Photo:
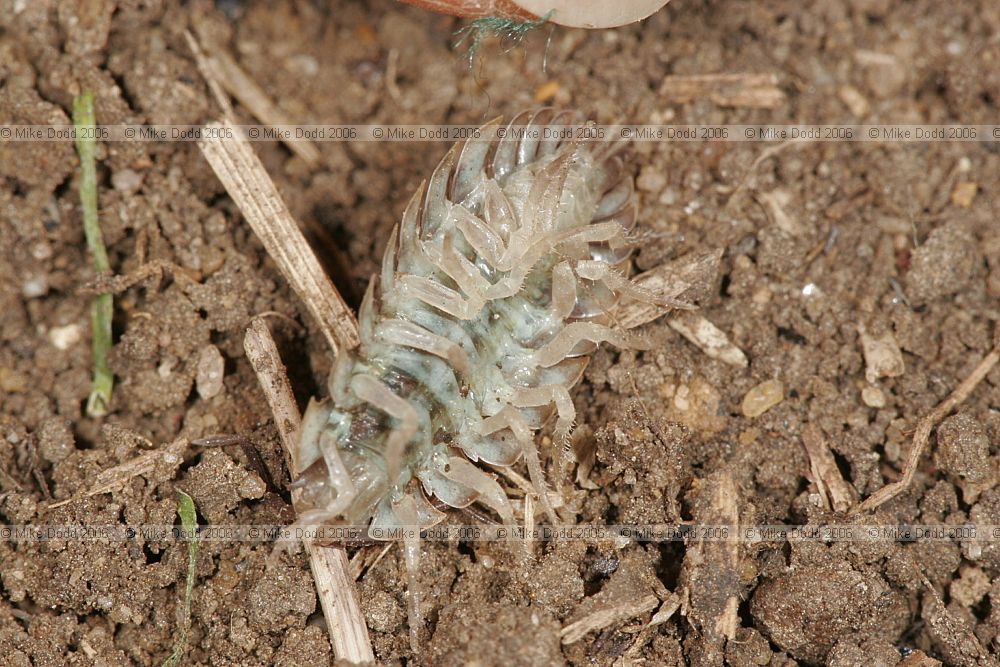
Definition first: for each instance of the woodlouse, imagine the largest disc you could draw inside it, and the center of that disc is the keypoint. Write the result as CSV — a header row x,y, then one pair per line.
x,y
494,290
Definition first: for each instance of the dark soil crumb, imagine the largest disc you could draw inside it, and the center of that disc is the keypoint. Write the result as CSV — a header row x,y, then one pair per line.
x,y
859,279
807,612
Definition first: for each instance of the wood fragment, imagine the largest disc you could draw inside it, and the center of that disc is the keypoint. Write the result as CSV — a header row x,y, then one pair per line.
x,y
666,610
710,574
923,432
708,338
765,154
368,557
775,202
883,358
247,182
114,478
755,91
836,493
219,67
686,279
606,616
330,567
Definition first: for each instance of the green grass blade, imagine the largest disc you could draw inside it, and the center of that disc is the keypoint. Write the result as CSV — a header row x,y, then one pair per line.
x,y
103,307
189,524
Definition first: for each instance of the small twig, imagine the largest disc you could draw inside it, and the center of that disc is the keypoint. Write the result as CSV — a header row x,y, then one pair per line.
x,y
689,278
247,182
189,522
330,567
835,491
102,309
602,618
747,90
219,68
144,464
768,152
710,572
923,432
112,284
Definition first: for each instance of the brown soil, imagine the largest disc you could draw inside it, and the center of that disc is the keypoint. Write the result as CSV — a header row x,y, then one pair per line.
x,y
912,252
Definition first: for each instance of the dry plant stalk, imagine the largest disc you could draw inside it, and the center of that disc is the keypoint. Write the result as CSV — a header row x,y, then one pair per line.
x,y
835,491
218,66
924,428
710,573
330,567
606,616
754,91
247,182
144,464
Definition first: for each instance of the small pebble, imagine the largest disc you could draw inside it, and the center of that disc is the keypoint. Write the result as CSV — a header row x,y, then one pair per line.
x,y
34,287
252,487
854,101
127,180
943,264
873,397
651,179
964,193
546,91
883,358
64,337
761,295
762,398
12,382
211,371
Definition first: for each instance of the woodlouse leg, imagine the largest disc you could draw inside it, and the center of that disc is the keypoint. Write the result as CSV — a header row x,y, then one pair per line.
x,y
524,252
307,520
465,274
563,291
438,296
406,513
553,394
337,475
367,388
499,212
604,273
484,240
408,334
451,492
510,418
557,395
562,343
490,493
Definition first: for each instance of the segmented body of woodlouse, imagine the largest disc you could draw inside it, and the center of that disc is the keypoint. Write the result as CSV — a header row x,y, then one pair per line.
x,y
494,290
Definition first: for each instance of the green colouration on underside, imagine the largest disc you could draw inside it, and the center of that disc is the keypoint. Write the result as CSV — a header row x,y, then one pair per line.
x,y
508,30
